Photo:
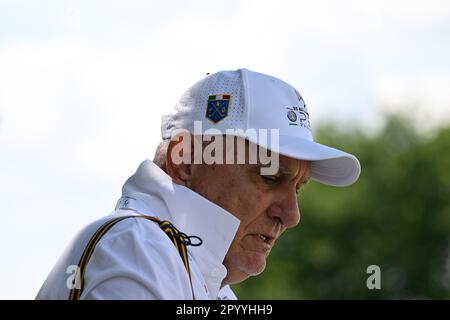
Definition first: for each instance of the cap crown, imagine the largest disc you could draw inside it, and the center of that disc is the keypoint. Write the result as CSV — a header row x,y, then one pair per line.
x,y
240,99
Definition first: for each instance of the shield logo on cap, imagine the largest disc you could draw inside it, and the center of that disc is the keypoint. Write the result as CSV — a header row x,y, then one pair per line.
x,y
217,107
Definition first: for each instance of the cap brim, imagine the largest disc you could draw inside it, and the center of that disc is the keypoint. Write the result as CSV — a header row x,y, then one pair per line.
x,y
328,165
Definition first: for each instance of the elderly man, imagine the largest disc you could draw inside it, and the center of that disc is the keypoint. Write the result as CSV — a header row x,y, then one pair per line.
x,y
207,211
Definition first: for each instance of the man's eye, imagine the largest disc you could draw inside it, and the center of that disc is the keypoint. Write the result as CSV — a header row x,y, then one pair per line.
x,y
269,179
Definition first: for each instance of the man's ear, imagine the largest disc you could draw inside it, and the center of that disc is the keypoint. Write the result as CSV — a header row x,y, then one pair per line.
x,y
179,158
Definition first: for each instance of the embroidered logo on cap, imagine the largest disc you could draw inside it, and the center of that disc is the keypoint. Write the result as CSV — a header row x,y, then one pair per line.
x,y
217,107
299,113
292,116
299,96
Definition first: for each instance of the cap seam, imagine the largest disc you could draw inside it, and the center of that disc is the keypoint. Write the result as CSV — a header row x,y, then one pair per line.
x,y
247,101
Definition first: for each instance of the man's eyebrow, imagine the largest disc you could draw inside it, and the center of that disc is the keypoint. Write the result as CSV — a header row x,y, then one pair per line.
x,y
286,171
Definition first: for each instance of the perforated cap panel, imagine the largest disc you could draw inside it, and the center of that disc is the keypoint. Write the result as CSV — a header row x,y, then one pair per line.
x,y
193,104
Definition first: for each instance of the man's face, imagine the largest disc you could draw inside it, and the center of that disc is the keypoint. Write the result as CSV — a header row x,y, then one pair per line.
x,y
265,205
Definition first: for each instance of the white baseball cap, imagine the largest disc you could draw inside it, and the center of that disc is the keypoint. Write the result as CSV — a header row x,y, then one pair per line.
x,y
242,100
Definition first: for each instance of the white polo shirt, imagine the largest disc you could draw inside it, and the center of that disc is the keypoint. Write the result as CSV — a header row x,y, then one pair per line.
x,y
135,259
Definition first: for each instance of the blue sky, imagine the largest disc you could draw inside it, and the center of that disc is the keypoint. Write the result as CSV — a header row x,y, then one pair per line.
x,y
83,85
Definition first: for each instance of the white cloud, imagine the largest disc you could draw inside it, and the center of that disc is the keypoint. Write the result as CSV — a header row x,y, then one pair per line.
x,y
423,97
30,85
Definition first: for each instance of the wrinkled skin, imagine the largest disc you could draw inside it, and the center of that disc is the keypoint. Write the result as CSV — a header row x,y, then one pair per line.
x,y
266,206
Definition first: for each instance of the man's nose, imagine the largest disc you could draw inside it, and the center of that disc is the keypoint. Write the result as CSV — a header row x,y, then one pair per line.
x,y
286,210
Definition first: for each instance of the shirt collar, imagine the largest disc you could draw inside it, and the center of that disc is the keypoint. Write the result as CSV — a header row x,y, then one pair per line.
x,y
151,191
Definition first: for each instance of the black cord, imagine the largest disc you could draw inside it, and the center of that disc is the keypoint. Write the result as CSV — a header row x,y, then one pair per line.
x,y
188,239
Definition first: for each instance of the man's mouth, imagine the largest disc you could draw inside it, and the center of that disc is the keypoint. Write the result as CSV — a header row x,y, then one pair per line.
x,y
266,238
263,237
258,242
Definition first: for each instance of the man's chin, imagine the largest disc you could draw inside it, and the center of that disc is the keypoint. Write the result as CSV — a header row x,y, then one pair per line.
x,y
256,264
239,268
244,272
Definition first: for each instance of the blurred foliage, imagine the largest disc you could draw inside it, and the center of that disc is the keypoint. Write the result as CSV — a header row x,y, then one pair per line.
x,y
397,216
